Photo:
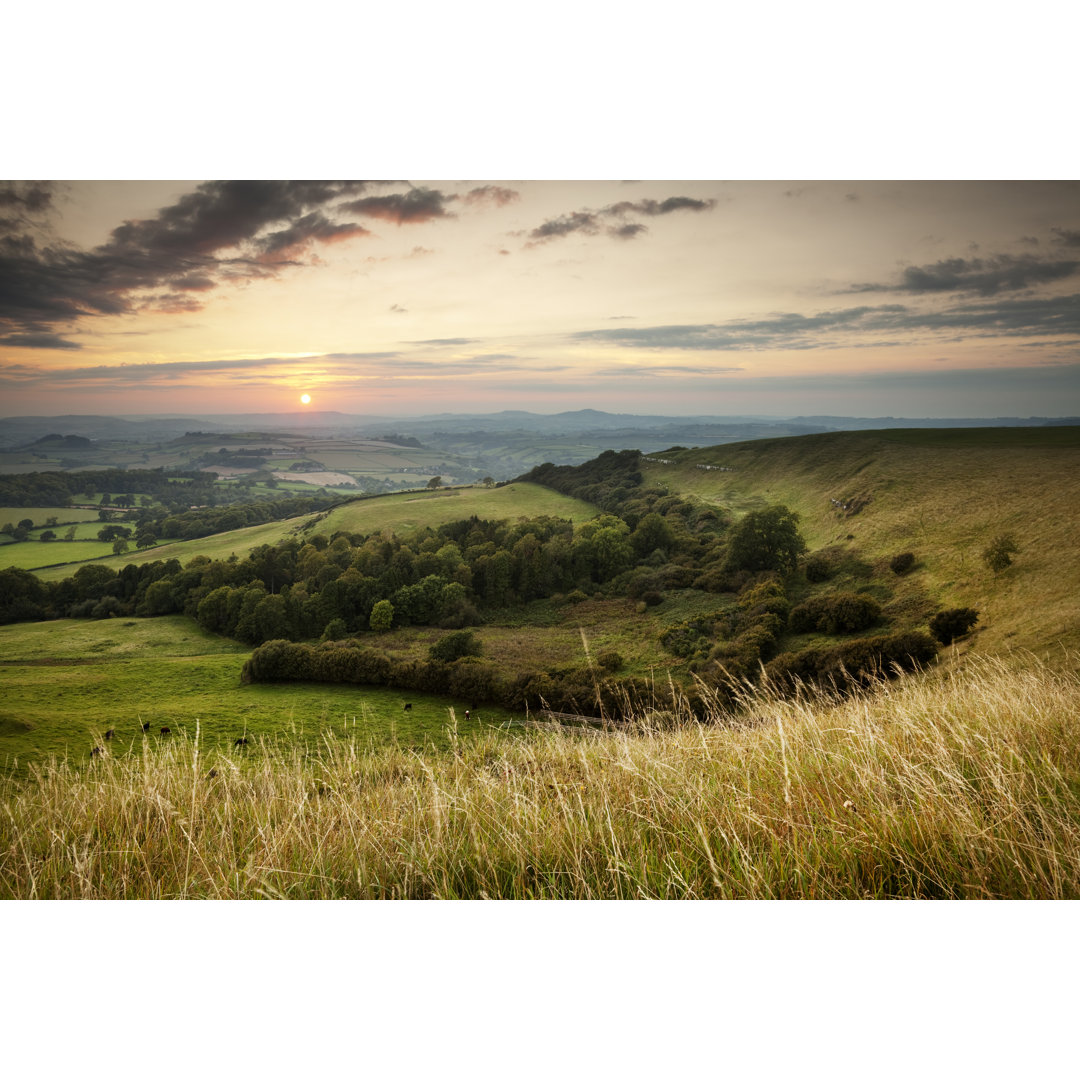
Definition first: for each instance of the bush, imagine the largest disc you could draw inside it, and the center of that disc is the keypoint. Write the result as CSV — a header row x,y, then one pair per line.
x,y
817,569
652,598
952,623
451,647
835,613
902,563
382,616
610,661
999,552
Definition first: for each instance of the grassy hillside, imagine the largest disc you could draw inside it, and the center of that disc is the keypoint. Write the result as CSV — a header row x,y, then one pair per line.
x,y
400,512
953,785
941,494
67,682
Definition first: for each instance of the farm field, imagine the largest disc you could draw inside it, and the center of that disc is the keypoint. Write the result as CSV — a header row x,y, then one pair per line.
x,y
402,511
66,682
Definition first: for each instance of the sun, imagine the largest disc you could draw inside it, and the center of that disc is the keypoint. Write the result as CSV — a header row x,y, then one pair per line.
x,y
305,399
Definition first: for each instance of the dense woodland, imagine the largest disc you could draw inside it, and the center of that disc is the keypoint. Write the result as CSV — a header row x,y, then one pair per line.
x,y
316,607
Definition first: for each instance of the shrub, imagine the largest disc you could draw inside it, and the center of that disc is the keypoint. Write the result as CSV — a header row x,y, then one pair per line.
x,y
610,661
835,613
999,552
817,569
334,630
952,623
453,646
902,563
652,598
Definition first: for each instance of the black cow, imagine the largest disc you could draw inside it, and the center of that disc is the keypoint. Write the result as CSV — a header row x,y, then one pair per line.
x,y
146,726
166,731
110,733
408,706
243,741
97,751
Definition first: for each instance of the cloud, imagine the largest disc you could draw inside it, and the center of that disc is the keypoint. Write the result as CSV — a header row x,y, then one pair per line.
x,y
446,341
416,205
652,208
492,195
223,231
38,341
628,231
987,277
578,221
299,236
28,197
1069,237
1035,317
590,222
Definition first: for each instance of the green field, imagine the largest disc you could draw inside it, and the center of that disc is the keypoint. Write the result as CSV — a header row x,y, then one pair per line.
x,y
400,512
66,682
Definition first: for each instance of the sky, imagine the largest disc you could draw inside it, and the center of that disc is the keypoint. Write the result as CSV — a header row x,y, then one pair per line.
x,y
871,298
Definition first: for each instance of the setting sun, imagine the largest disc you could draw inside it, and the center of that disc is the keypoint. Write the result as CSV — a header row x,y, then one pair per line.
x,y
305,399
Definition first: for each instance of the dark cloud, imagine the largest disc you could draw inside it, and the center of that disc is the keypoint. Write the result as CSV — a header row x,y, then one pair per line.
x,y
38,341
628,231
579,221
26,196
589,222
987,277
416,205
492,194
222,231
1069,237
1036,317
305,231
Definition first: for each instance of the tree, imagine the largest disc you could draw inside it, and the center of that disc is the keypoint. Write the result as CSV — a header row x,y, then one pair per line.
x,y
48,534
26,523
999,552
382,616
144,539
70,534
488,481
119,546
766,540
434,482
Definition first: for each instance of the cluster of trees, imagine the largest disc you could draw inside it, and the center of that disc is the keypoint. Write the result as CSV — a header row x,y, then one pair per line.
x,y
575,689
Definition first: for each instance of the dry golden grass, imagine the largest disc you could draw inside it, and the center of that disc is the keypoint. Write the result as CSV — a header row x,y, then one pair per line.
x,y
962,784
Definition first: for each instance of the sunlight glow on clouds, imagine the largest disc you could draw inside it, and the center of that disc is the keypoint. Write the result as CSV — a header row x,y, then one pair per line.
x,y
439,296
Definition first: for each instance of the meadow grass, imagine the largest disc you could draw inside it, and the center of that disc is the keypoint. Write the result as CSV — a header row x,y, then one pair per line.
x,y
955,783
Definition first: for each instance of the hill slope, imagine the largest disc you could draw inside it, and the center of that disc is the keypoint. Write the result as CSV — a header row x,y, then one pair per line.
x,y
942,494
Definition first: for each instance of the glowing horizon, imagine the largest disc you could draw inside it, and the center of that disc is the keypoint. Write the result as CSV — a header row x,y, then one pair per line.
x,y
677,298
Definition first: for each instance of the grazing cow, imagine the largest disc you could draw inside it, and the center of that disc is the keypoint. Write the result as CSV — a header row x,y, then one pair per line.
x,y
97,751
211,774
166,731
408,706
243,741
146,726
468,714
110,733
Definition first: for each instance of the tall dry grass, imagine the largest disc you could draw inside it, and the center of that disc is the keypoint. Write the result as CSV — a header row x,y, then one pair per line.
x,y
962,784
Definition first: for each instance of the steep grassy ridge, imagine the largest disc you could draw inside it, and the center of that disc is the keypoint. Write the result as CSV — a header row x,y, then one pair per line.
x,y
942,494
